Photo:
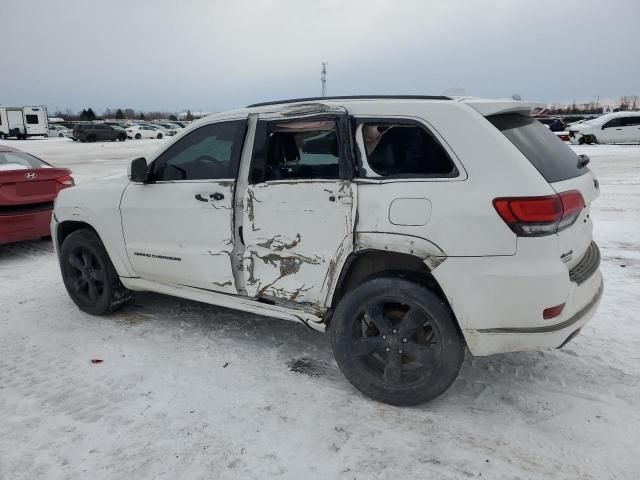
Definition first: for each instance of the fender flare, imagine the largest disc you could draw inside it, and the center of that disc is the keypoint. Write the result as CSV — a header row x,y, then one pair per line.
x,y
122,265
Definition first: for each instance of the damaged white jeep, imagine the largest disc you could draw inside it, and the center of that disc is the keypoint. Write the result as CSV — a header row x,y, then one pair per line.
x,y
410,227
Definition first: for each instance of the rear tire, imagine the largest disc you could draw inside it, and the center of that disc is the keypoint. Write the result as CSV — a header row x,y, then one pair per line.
x,y
396,341
89,276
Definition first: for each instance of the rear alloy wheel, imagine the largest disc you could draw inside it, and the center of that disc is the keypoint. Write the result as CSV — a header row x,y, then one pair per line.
x,y
396,341
88,274
138,136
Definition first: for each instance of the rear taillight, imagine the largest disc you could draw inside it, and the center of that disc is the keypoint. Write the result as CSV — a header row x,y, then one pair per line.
x,y
538,216
67,181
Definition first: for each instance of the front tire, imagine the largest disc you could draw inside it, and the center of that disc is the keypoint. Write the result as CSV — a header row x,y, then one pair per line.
x,y
159,136
122,137
138,136
396,341
89,276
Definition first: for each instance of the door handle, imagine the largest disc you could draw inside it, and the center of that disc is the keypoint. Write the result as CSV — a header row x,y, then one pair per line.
x,y
214,196
341,198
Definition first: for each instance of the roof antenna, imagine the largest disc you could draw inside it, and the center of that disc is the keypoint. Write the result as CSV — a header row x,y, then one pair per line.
x,y
324,78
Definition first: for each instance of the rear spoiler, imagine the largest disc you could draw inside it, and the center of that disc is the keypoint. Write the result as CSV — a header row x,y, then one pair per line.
x,y
488,107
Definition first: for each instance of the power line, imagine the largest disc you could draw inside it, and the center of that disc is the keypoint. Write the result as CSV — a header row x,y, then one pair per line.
x,y
323,78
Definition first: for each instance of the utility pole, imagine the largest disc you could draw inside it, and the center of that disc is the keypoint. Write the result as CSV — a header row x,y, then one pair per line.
x,y
324,78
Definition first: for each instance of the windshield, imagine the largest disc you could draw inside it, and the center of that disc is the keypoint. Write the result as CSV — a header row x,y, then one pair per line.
x,y
551,157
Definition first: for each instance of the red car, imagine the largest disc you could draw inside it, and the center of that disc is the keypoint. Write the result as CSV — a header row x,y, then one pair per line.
x,y
28,186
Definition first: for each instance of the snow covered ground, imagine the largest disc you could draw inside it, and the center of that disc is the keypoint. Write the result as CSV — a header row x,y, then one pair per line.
x,y
187,390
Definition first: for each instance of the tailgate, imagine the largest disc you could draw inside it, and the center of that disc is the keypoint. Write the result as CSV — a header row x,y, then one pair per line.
x,y
575,240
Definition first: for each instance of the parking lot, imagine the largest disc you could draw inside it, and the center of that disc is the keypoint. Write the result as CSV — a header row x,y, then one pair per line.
x,y
179,389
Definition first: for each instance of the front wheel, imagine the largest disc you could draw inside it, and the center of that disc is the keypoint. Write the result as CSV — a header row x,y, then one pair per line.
x,y
138,136
159,136
89,276
396,341
122,137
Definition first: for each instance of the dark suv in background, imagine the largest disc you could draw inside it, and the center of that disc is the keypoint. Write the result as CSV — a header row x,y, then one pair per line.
x,y
92,132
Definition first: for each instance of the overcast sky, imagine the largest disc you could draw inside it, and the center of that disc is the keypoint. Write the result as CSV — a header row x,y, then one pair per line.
x,y
215,55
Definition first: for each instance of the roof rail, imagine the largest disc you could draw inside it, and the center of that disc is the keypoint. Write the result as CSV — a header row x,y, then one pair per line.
x,y
351,97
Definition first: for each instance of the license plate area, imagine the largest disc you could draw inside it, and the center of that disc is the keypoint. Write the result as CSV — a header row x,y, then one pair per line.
x,y
44,187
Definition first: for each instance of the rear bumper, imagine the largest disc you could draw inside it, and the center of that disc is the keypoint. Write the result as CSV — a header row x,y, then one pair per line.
x,y
27,226
490,341
499,301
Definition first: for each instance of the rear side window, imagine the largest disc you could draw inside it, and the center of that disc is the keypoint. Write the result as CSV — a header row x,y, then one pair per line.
x,y
551,157
299,149
405,149
32,119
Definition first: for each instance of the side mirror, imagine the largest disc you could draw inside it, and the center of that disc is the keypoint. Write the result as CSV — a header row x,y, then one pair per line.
x,y
138,170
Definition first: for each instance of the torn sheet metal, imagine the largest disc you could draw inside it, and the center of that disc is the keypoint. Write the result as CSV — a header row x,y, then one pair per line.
x,y
295,234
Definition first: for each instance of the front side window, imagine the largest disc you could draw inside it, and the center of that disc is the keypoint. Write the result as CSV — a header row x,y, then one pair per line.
x,y
616,122
32,119
300,149
210,152
405,149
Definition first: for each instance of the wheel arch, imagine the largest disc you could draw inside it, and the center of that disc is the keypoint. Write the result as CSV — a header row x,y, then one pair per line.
x,y
67,227
366,264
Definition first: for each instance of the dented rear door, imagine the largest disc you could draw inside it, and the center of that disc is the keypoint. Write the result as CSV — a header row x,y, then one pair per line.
x,y
298,230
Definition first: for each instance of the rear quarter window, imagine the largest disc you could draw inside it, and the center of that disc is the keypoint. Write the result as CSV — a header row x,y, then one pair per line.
x,y
552,158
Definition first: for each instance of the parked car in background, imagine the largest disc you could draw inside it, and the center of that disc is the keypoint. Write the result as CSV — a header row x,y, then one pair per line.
x,y
98,132
59,131
410,228
166,130
143,131
28,186
618,127
552,123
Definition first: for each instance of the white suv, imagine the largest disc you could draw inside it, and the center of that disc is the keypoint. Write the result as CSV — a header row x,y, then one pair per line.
x,y
410,227
619,127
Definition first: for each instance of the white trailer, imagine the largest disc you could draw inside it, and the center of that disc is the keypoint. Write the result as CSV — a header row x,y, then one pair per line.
x,y
23,122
